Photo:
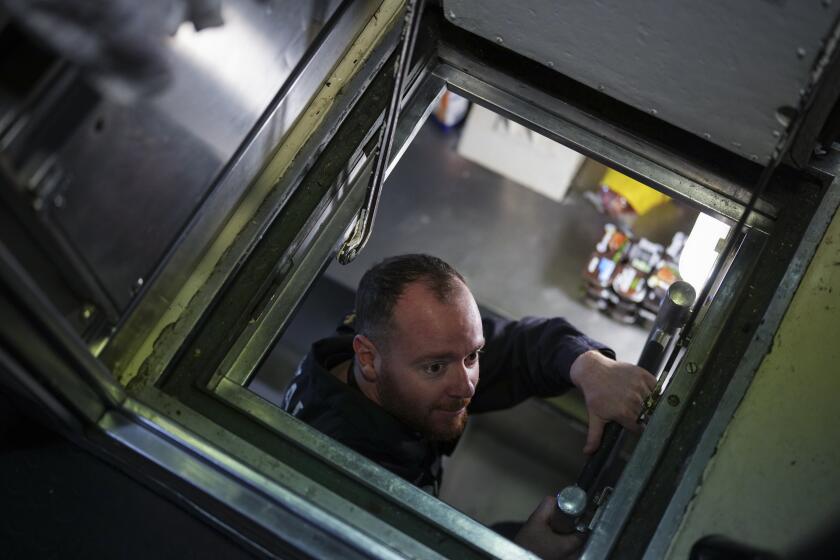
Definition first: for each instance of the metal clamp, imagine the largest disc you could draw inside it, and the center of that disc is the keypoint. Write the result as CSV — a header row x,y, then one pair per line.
x,y
363,226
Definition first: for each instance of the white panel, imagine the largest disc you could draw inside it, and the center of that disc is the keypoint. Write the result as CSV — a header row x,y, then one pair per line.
x,y
515,152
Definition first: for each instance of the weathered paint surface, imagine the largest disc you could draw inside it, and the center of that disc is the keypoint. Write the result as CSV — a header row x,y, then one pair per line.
x,y
775,476
718,69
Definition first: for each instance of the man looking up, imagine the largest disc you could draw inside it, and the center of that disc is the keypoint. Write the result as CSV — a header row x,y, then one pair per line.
x,y
397,381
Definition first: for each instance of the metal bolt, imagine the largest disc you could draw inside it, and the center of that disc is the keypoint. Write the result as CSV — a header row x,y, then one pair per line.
x,y
673,400
137,286
691,367
87,311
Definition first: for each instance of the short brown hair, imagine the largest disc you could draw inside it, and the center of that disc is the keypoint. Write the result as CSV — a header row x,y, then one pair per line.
x,y
384,283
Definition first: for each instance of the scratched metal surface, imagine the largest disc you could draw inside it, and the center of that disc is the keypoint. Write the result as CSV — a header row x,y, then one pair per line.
x,y
721,70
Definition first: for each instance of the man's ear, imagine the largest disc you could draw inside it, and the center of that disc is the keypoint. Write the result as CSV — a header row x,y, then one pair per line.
x,y
367,357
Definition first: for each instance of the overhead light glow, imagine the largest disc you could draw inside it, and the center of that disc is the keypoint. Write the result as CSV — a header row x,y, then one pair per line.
x,y
701,250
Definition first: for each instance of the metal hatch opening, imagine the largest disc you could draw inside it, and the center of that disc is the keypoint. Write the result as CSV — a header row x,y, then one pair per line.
x,y
523,253
171,363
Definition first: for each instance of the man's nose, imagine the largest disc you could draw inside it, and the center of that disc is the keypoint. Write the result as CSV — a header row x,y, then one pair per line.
x,y
463,384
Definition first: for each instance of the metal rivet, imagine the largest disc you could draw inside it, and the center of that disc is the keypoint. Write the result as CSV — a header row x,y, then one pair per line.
x,y
691,367
137,286
673,400
800,52
499,40
87,311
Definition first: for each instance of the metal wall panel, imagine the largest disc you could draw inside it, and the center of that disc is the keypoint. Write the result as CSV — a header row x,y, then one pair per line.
x,y
138,172
721,70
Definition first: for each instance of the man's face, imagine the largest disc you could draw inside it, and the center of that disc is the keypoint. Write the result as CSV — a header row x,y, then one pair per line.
x,y
427,371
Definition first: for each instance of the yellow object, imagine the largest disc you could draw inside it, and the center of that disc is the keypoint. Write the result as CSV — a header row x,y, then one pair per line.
x,y
641,197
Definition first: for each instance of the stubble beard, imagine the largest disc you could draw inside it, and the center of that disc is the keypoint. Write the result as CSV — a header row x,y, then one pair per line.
x,y
406,410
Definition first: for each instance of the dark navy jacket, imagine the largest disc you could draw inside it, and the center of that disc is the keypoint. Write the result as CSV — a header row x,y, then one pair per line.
x,y
521,359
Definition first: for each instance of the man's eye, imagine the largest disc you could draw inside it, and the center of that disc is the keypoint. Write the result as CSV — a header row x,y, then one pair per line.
x,y
472,358
433,369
